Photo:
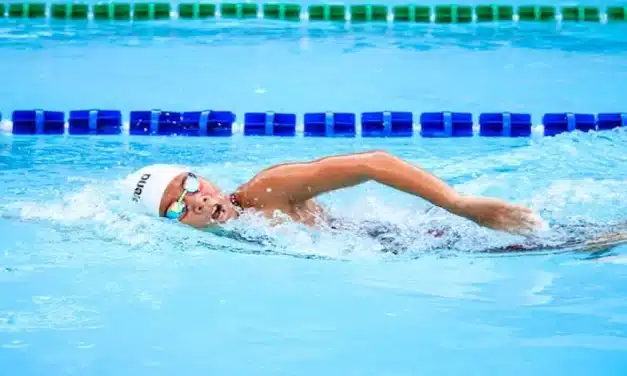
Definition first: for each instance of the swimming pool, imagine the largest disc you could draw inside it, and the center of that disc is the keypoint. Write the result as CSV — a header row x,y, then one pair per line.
x,y
87,288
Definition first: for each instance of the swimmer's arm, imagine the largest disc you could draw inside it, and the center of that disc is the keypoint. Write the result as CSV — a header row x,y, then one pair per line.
x,y
299,182
302,181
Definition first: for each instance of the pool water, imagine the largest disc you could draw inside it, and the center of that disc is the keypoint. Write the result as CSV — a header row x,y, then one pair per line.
x,y
88,288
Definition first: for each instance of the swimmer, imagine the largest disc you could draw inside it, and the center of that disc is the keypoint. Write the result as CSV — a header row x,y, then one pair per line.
x,y
180,195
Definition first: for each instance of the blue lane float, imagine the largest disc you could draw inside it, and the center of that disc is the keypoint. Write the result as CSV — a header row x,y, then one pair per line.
x,y
446,124
504,125
155,122
95,122
211,123
329,124
567,122
387,124
269,124
610,121
38,122
208,123
193,123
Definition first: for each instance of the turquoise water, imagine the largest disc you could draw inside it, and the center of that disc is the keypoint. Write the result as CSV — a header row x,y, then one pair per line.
x,y
88,288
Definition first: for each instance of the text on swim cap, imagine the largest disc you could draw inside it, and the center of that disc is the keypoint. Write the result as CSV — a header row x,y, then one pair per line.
x,y
140,187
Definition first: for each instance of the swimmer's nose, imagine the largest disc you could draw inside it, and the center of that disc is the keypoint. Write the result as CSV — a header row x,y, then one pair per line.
x,y
200,204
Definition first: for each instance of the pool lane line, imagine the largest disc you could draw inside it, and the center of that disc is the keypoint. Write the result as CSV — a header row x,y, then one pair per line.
x,y
441,14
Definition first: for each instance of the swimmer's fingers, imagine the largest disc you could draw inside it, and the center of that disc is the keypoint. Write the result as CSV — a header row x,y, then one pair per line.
x,y
501,215
528,222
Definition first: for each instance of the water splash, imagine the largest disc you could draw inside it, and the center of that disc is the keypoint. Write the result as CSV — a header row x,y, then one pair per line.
x,y
575,181
370,228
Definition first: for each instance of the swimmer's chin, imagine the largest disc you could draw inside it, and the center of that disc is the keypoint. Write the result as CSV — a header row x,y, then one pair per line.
x,y
210,223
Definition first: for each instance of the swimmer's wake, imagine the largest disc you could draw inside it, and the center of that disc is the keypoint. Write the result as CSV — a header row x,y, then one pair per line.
x,y
347,240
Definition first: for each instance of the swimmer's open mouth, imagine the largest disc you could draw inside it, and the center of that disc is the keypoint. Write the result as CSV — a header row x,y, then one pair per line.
x,y
217,211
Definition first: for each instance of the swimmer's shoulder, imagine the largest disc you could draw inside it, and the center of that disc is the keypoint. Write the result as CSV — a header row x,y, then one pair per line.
x,y
267,187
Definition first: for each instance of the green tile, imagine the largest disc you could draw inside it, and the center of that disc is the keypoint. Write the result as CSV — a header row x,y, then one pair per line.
x,y
101,11
206,10
238,10
112,11
379,13
229,10
59,11
422,14
162,11
142,11
196,10
526,13
590,14
36,10
272,11
536,13
69,11
291,12
547,13
403,13
151,11
121,11
361,13
327,12
30,10
79,11
317,12
494,13
617,13
249,10
505,13
188,10
485,12
16,10
570,14
453,14
444,13
464,14
337,13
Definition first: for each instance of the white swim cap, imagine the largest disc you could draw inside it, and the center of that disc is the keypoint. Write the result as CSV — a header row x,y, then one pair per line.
x,y
146,186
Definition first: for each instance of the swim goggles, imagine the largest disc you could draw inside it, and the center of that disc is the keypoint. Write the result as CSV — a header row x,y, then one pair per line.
x,y
178,209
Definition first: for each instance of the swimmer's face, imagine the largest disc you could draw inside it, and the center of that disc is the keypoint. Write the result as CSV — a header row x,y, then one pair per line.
x,y
205,208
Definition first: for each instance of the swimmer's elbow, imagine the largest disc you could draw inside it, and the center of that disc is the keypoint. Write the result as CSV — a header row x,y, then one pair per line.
x,y
375,161
380,155
349,170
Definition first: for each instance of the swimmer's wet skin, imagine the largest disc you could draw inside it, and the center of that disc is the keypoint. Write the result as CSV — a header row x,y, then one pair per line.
x,y
177,193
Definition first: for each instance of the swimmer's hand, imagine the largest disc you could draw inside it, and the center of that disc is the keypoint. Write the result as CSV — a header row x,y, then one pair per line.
x,y
499,215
